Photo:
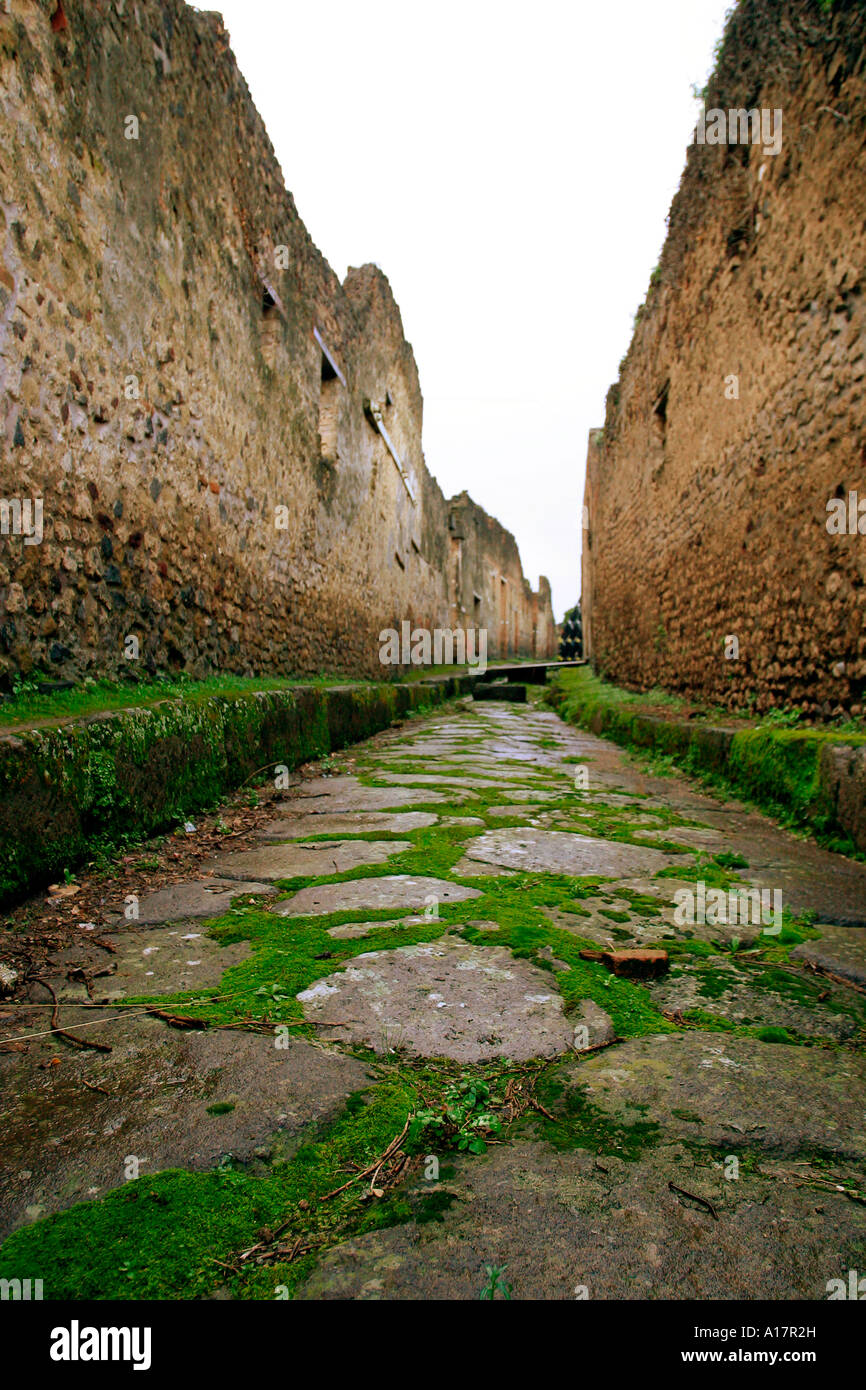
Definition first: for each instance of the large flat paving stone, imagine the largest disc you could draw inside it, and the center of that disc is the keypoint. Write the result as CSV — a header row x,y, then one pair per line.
x,y
445,998
432,779
841,950
717,1089
572,1224
288,860
724,989
392,892
555,851
358,797
288,827
204,897
69,1128
351,930
157,960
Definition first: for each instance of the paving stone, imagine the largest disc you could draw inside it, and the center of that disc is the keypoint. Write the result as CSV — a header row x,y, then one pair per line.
x,y
156,1087
775,1096
573,1224
363,798
289,860
432,779
350,823
473,868
443,999
158,960
841,950
592,1026
204,897
555,851
395,891
721,987
351,930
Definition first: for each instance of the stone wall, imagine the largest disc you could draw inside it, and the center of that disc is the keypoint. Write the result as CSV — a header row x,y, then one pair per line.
x,y
225,439
488,588
740,410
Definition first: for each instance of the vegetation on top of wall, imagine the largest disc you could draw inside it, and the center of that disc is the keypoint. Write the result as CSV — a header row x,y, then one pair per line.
x,y
776,766
71,791
33,700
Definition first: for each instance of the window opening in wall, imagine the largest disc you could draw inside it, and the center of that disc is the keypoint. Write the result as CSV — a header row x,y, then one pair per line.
x,y
660,413
269,330
331,386
329,402
660,429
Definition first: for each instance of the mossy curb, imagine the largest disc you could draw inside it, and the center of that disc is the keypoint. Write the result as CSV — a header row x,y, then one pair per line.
x,y
69,790
813,778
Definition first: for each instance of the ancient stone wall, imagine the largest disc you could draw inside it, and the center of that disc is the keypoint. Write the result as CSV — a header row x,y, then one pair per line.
x,y
489,590
225,440
740,410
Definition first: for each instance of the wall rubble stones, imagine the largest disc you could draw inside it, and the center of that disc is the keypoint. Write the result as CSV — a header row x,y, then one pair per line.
x,y
705,516
164,391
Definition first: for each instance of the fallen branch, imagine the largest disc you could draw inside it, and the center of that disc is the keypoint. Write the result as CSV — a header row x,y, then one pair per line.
x,y
693,1197
599,1047
61,1032
376,1165
178,1020
536,1105
91,1087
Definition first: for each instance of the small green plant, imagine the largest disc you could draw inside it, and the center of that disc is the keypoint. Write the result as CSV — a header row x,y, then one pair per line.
x,y
783,718
464,1122
727,860
495,1283
274,995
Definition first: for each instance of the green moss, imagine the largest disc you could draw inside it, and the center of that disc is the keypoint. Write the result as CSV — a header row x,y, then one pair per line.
x,y
579,1124
773,1035
28,703
776,767
164,1236
78,790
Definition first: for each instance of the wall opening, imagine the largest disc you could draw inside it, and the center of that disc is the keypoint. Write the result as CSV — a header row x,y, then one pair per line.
x,y
660,429
329,411
269,328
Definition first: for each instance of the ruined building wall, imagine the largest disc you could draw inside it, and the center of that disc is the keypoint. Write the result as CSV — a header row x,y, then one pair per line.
x,y
488,587
740,410
212,420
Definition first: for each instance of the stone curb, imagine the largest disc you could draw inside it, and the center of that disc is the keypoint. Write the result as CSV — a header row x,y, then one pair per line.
x,y
67,788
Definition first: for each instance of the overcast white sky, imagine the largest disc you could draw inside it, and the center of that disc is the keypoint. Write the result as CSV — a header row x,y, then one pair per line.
x,y
510,167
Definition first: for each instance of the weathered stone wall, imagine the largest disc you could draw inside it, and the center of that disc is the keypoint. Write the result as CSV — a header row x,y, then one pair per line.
x,y
488,588
739,411
215,485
